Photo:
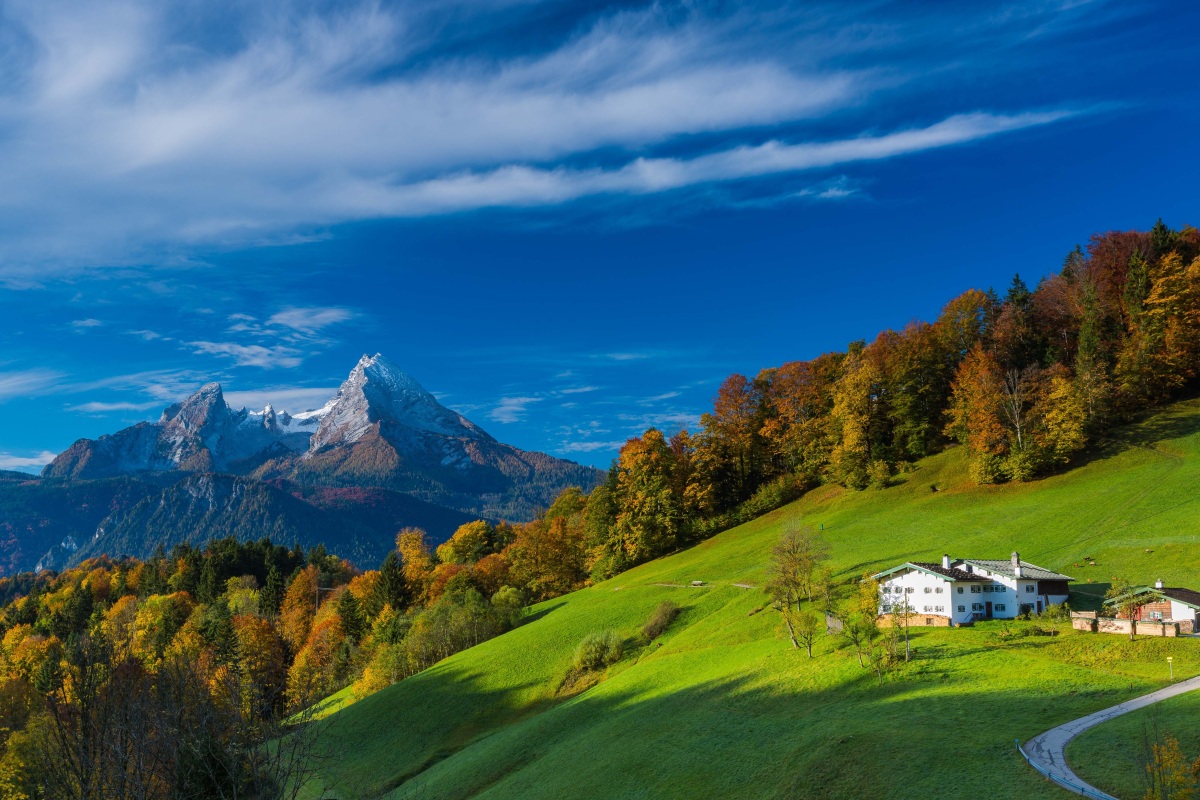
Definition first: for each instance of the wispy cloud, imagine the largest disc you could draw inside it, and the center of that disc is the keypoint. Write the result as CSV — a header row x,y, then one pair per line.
x,y
252,355
84,324
140,136
511,409
589,447
579,390
98,407
28,382
310,320
25,463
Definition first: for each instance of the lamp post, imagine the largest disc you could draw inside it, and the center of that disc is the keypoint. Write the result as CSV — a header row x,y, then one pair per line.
x,y
1171,666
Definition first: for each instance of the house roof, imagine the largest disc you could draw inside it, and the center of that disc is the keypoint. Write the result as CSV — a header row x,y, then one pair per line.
x,y
1005,568
951,574
1188,597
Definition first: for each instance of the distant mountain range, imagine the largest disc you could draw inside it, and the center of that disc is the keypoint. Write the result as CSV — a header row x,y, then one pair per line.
x,y
381,454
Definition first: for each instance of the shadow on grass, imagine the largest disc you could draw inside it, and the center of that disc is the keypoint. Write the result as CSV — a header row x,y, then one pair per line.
x,y
811,732
539,614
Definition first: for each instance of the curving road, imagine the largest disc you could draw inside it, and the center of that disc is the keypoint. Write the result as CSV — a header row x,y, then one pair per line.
x,y
1046,750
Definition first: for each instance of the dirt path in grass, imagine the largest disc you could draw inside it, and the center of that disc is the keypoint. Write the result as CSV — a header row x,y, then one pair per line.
x,y
1047,751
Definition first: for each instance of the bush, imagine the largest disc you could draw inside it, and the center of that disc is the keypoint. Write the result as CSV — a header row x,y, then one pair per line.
x,y
988,468
598,650
660,620
880,474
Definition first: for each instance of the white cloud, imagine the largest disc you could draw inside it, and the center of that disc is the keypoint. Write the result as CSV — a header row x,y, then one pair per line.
x,y
98,407
138,134
252,355
26,463
579,390
28,382
291,399
511,409
86,323
310,320
589,447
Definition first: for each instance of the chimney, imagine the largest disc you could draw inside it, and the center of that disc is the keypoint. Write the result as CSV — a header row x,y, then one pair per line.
x,y
1016,562
1158,584
946,561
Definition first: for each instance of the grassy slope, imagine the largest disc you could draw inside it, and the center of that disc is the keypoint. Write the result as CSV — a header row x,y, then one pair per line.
x,y
722,705
1112,756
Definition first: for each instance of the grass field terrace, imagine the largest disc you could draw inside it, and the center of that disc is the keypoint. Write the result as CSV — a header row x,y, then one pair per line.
x,y
721,704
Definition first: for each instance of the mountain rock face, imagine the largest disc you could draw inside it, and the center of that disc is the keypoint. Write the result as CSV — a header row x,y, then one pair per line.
x,y
201,434
381,454
383,429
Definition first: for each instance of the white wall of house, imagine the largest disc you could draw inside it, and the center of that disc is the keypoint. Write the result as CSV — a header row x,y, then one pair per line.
x,y
926,594
961,601
1017,592
1180,612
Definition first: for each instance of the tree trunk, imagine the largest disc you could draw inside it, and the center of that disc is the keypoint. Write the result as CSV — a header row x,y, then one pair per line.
x,y
787,620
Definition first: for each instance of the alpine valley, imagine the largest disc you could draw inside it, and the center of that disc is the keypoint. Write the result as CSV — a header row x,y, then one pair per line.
x,y
380,455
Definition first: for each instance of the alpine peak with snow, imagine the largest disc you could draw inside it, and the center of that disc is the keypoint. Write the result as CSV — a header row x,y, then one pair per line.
x,y
377,390
382,450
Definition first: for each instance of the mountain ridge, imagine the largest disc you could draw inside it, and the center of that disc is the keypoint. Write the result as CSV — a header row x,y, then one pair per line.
x,y
381,454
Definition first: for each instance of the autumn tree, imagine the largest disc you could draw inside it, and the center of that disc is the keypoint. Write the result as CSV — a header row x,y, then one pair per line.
x,y
650,518
299,607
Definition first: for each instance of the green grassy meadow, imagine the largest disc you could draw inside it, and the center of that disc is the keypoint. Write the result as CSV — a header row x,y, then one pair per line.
x,y
722,705
1112,756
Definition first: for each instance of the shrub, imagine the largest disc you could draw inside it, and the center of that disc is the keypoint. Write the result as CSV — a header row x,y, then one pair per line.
x,y
660,620
987,468
598,650
880,474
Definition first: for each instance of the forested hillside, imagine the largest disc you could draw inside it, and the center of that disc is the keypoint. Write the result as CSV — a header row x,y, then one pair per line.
x,y
1024,381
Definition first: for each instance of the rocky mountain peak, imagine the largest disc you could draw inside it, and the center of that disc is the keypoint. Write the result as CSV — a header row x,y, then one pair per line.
x,y
379,391
203,410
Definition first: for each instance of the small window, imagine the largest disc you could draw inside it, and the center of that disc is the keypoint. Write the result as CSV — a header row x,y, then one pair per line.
x,y
962,608
928,590
938,590
975,589
960,590
977,606
928,609
909,589
940,609
999,606
1002,588
1029,588
1155,615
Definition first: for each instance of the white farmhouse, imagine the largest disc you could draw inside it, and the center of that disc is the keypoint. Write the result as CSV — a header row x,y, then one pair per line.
x,y
958,592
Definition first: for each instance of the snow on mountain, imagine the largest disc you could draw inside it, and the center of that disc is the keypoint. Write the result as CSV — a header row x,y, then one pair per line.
x,y
377,391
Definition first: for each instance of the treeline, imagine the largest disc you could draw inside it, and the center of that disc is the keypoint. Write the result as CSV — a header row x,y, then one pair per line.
x,y
1023,381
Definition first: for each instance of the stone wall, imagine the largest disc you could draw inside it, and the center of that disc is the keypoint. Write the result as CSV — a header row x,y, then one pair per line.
x,y
918,620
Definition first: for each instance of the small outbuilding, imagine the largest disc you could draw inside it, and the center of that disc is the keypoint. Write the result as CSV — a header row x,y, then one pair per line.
x,y
1159,603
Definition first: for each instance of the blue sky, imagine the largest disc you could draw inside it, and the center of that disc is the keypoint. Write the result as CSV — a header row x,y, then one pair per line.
x,y
569,221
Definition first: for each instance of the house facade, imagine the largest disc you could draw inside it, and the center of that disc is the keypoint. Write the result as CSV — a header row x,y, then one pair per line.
x,y
1164,604
962,591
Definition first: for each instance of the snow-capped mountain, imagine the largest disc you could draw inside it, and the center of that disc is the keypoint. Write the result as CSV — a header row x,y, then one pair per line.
x,y
201,434
381,429
378,391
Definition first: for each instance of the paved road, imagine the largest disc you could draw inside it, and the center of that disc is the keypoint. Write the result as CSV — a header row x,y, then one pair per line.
x,y
1046,750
